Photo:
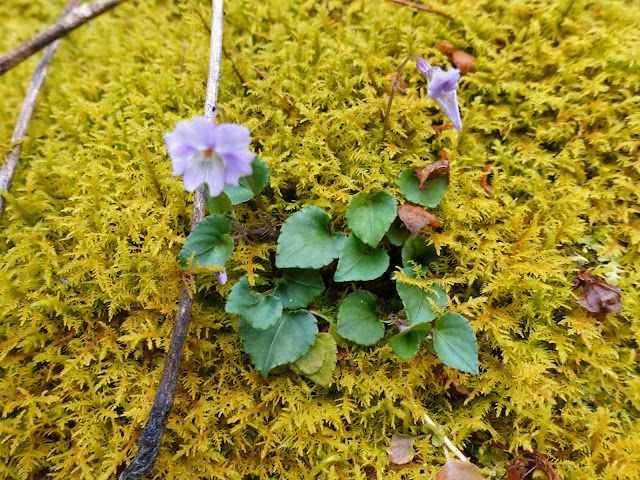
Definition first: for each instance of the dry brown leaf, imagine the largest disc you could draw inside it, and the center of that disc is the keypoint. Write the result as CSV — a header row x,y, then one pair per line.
x,y
598,296
456,469
531,462
432,170
440,128
485,182
461,59
401,449
342,352
416,217
459,389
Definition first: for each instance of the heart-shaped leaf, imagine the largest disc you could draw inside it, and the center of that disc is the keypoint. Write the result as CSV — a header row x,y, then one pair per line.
x,y
259,177
370,215
417,250
422,306
299,288
455,342
356,263
305,242
284,342
407,343
209,243
319,362
434,189
357,320
259,310
401,449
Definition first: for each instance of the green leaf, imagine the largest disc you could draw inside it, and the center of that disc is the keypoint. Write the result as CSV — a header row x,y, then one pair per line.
x,y
397,233
422,306
455,342
259,177
299,288
305,242
259,310
407,343
219,205
209,243
437,434
354,264
429,197
418,250
357,320
284,342
371,215
319,362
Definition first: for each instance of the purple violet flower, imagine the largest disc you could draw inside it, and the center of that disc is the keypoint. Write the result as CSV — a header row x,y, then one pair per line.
x,y
204,152
222,276
441,87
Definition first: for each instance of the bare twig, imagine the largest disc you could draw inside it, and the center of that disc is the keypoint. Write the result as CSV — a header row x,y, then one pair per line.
x,y
422,7
20,130
259,72
447,442
153,431
74,19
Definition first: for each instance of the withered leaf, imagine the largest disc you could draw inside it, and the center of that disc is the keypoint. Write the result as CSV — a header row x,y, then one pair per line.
x,y
531,462
401,449
485,182
342,352
461,59
440,128
416,217
432,170
598,296
456,469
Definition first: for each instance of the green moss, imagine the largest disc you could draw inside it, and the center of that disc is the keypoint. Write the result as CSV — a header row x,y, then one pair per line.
x,y
90,283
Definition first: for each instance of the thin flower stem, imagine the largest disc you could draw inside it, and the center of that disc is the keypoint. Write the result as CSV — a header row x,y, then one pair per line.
x,y
78,16
273,230
393,92
28,105
255,231
151,436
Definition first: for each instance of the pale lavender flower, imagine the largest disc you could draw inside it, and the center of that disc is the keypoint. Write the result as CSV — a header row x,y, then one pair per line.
x,y
441,87
222,276
204,152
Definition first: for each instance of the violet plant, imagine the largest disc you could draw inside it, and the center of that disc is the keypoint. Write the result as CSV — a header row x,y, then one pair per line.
x,y
441,86
279,325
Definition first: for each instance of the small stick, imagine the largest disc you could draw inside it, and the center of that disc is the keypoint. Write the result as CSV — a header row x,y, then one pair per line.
x,y
28,105
423,8
74,19
255,69
447,442
151,437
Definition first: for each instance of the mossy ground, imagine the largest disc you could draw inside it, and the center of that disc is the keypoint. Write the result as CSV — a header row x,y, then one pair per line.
x,y
90,284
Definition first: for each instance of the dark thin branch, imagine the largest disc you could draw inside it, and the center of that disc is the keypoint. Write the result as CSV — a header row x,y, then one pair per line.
x,y
29,103
74,19
423,8
151,436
